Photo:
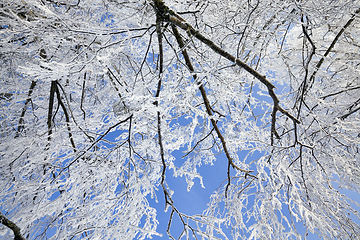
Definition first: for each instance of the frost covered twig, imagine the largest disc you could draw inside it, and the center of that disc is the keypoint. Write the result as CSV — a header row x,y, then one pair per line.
x,y
92,145
193,148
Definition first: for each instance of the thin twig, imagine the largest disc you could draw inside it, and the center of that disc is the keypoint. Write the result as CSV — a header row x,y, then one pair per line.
x,y
193,148
92,145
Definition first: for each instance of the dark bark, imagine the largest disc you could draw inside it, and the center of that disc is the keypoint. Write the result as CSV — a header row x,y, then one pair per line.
x,y
8,223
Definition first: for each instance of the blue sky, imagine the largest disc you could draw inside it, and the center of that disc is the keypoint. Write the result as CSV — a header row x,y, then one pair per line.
x,y
189,202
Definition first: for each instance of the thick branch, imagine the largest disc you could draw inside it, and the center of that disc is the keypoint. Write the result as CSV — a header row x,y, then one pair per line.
x,y
8,223
67,118
157,94
50,109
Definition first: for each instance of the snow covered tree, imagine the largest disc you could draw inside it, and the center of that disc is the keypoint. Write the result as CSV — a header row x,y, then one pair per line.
x,y
97,95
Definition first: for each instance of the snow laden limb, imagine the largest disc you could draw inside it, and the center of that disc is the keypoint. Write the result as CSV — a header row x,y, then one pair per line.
x,y
170,16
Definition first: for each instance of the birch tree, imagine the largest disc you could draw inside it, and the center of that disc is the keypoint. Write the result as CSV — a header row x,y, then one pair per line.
x,y
97,95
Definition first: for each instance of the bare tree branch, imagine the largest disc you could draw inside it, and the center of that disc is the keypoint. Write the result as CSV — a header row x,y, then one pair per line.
x,y
8,223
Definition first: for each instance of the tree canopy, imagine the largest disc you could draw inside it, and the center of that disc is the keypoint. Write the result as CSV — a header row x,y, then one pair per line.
x,y
96,96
